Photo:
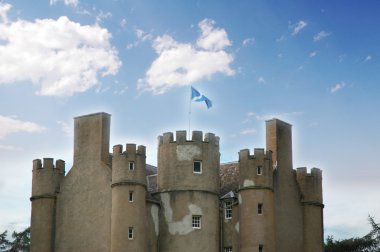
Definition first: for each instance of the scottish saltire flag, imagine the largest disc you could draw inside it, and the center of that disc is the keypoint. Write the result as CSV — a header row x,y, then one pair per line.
x,y
198,97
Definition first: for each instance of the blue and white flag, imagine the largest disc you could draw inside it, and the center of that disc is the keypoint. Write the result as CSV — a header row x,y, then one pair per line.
x,y
198,97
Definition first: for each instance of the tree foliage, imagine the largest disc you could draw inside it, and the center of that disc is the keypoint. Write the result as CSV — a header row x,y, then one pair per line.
x,y
20,242
367,243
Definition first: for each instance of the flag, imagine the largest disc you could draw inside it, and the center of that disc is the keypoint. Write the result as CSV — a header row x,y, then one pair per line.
x,y
198,97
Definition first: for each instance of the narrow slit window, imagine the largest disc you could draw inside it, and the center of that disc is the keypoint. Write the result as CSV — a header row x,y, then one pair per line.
x,y
130,233
259,170
260,208
197,167
197,221
227,249
131,166
130,196
228,209
261,248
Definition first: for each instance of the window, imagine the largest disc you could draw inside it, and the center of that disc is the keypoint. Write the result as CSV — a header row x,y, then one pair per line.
x,y
197,221
130,233
228,209
131,166
197,167
130,196
227,249
259,170
261,248
259,208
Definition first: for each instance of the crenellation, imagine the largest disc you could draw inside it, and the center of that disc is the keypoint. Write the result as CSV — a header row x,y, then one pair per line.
x,y
60,166
180,137
131,151
37,164
160,140
197,136
48,163
141,150
244,154
168,138
117,149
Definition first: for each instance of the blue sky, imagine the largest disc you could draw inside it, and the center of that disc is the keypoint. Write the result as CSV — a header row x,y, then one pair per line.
x,y
313,64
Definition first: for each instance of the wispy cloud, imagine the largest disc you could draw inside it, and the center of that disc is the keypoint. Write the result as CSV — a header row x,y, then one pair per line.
x,y
249,41
337,87
180,64
60,56
261,80
313,54
248,132
298,27
252,115
281,39
4,8
11,125
66,128
123,23
72,3
368,58
321,35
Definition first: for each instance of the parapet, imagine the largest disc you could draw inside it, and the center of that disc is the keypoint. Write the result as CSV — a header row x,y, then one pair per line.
x,y
47,176
310,185
181,138
130,150
259,153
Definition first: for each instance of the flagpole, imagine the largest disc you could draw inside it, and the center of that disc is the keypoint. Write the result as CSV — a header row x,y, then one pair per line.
x,y
190,112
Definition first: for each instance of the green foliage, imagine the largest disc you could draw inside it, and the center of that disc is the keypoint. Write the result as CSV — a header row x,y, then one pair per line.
x,y
20,242
367,243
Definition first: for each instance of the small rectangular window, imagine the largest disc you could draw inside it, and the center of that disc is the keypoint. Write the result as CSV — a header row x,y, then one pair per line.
x,y
227,249
197,221
259,170
130,233
197,167
261,248
131,166
228,209
260,208
130,196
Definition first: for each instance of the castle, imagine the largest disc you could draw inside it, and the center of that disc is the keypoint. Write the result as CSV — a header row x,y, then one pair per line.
x,y
116,202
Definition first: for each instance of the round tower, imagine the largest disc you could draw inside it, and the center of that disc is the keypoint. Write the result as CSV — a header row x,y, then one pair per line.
x,y
45,186
312,206
188,185
256,203
128,215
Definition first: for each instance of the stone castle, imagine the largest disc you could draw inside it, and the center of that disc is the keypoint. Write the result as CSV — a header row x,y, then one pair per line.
x,y
116,202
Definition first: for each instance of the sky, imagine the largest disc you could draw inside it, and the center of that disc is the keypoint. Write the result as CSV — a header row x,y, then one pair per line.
x,y
313,64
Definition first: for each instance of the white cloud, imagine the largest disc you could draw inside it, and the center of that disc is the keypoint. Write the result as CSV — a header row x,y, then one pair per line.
x,y
281,39
249,41
312,54
248,132
213,39
123,23
252,115
10,148
142,35
337,87
4,8
298,27
60,56
72,3
368,58
180,64
321,35
10,125
261,80
66,128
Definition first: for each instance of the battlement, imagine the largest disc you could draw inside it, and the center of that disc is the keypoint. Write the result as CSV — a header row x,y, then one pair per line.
x,y
259,153
47,176
181,138
310,184
48,164
130,150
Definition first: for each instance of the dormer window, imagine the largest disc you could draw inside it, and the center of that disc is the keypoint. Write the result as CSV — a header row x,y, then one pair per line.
x,y
131,166
197,167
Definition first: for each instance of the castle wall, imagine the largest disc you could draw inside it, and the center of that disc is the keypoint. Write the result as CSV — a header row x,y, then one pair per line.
x,y
288,208
152,223
83,219
230,229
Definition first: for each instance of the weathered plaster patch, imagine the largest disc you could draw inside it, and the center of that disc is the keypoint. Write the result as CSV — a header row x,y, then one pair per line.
x,y
154,213
240,199
187,152
248,182
237,227
183,226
